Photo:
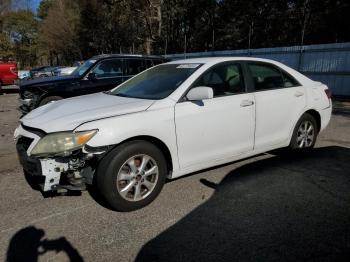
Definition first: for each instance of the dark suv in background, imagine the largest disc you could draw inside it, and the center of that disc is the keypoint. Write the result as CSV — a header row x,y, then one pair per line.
x,y
99,73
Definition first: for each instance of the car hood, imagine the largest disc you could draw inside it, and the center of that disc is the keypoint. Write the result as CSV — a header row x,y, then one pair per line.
x,y
46,81
69,113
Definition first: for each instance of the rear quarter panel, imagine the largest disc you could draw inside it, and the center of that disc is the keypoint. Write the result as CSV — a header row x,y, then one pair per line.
x,y
318,100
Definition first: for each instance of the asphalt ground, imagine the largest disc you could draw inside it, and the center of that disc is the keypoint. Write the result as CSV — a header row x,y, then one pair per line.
x,y
272,207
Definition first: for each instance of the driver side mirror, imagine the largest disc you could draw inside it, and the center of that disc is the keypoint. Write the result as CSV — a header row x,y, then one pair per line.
x,y
200,93
92,76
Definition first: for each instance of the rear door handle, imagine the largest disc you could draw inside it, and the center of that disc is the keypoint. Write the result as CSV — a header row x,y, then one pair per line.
x,y
298,93
245,103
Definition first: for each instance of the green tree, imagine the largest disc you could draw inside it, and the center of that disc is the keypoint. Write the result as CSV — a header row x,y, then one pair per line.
x,y
58,38
43,8
21,29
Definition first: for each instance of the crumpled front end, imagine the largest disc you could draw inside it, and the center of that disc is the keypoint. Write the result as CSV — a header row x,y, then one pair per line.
x,y
55,173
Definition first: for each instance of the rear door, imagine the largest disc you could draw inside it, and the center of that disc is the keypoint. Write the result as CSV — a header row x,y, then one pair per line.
x,y
108,74
280,99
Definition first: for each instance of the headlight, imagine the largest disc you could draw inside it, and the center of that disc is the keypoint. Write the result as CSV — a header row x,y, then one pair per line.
x,y
62,143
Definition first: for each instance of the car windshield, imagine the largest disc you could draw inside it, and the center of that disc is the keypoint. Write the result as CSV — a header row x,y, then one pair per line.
x,y
79,71
157,82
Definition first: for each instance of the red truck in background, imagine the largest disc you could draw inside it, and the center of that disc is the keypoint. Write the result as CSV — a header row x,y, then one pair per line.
x,y
8,73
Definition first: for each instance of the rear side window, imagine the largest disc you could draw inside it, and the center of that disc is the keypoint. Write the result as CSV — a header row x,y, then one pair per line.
x,y
289,81
135,66
266,77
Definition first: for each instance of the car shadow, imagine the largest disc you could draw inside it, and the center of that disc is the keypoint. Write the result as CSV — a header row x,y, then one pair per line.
x,y
28,244
282,208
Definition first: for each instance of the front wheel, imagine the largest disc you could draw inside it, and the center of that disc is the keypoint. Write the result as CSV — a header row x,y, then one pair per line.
x,y
132,175
305,133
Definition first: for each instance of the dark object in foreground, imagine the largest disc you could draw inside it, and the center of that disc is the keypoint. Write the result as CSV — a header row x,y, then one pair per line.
x,y
284,208
28,245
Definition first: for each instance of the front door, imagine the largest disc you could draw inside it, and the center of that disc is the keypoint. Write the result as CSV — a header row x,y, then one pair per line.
x,y
219,128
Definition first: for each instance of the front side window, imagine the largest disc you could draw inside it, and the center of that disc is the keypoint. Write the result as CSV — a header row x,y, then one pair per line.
x,y
226,79
109,68
266,77
157,82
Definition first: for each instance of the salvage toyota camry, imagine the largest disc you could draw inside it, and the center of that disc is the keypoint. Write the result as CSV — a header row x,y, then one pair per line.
x,y
168,121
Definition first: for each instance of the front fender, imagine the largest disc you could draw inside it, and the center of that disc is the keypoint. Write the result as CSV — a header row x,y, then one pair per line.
x,y
154,123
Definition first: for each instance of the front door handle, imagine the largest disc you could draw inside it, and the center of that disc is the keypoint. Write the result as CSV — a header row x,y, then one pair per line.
x,y
298,93
245,103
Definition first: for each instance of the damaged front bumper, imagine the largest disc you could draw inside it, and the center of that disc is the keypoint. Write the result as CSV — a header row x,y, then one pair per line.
x,y
59,173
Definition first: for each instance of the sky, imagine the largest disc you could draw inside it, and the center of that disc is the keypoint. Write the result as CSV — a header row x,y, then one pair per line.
x,y
25,4
35,4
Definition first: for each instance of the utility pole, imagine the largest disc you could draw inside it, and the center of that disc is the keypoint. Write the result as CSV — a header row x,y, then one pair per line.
x,y
250,35
185,46
305,17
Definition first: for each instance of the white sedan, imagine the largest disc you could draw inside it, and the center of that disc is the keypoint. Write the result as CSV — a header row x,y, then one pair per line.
x,y
168,121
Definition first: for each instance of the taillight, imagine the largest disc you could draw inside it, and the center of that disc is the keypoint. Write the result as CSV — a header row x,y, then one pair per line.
x,y
328,93
14,70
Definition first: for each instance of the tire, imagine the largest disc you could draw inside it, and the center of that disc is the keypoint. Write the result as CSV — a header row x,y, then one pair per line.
x,y
304,141
49,99
1,92
114,167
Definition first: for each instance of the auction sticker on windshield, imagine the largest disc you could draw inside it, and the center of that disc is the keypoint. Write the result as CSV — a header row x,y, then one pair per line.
x,y
188,66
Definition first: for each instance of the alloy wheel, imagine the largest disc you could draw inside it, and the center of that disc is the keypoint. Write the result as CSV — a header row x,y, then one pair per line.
x,y
305,135
137,177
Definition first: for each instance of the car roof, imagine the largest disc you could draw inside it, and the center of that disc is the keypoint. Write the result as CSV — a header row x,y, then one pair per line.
x,y
210,61
102,56
214,60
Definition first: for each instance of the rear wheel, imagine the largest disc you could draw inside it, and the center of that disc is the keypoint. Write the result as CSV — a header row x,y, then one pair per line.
x,y
305,133
132,175
49,99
